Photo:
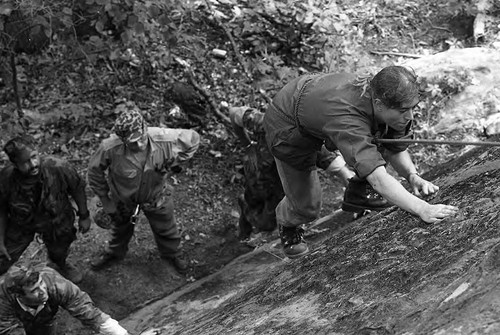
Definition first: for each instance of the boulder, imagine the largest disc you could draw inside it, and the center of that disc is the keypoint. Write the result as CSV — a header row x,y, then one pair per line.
x,y
385,273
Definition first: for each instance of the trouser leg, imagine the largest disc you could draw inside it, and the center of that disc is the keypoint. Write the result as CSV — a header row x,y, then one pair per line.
x,y
59,241
162,221
122,230
244,224
302,201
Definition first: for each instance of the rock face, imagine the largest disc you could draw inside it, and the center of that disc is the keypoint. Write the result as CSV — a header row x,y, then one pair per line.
x,y
478,70
387,273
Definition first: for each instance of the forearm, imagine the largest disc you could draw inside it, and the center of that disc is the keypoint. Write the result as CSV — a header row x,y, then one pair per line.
x,y
402,163
81,201
187,144
394,192
97,181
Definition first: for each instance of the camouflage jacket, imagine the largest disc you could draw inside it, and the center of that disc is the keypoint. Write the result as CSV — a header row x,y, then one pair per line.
x,y
62,293
26,208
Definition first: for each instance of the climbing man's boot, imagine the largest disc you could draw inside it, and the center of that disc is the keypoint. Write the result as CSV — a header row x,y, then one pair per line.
x,y
293,242
360,196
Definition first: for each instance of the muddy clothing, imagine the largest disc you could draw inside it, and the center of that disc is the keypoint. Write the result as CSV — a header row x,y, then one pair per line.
x,y
62,293
134,180
313,110
263,189
326,109
40,205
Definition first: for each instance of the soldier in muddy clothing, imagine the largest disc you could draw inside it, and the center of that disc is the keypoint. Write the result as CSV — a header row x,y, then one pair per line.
x,y
30,298
344,112
34,199
263,189
128,171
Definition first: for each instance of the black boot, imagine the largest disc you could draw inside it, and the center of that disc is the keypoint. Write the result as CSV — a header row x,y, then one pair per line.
x,y
293,242
360,196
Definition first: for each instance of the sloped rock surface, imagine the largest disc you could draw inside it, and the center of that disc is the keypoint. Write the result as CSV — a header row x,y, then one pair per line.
x,y
387,273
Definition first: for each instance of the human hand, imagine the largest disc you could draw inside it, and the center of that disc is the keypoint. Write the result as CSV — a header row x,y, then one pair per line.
x,y
421,186
84,225
3,251
437,213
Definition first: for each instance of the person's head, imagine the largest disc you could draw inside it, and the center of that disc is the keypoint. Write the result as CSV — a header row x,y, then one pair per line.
x,y
131,127
395,92
27,285
23,154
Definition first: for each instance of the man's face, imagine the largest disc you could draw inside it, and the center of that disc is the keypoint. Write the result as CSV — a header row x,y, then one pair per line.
x,y
36,294
396,118
139,145
28,162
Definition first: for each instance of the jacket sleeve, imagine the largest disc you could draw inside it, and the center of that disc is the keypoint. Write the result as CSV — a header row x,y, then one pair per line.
x,y
8,318
96,174
76,185
186,145
75,301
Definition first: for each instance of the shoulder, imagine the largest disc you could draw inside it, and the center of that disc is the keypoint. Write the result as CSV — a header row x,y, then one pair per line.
x,y
158,134
52,163
55,282
111,142
6,172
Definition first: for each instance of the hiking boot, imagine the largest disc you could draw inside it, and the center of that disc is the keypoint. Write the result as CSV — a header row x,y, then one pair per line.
x,y
359,196
68,271
293,242
179,263
104,260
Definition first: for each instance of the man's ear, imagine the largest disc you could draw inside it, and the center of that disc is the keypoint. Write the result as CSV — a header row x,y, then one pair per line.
x,y
378,104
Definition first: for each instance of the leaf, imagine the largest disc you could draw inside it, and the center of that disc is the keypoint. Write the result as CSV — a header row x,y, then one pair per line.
x,y
99,26
139,28
132,20
5,9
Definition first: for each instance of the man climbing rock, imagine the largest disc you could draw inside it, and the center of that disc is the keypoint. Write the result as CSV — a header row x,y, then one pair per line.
x,y
344,112
128,172
263,189
34,199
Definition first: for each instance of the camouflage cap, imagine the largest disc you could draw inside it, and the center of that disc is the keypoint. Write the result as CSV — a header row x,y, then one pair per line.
x,y
130,126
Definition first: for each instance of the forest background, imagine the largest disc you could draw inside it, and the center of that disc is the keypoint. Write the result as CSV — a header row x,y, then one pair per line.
x,y
68,68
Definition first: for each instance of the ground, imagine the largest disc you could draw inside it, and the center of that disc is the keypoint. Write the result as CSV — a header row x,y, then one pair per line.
x,y
207,189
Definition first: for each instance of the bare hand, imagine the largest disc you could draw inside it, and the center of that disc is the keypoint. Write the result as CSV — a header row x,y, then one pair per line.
x,y
3,251
436,213
421,186
84,225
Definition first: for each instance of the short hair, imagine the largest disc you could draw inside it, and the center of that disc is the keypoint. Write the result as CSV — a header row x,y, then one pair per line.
x,y
19,277
395,86
16,145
